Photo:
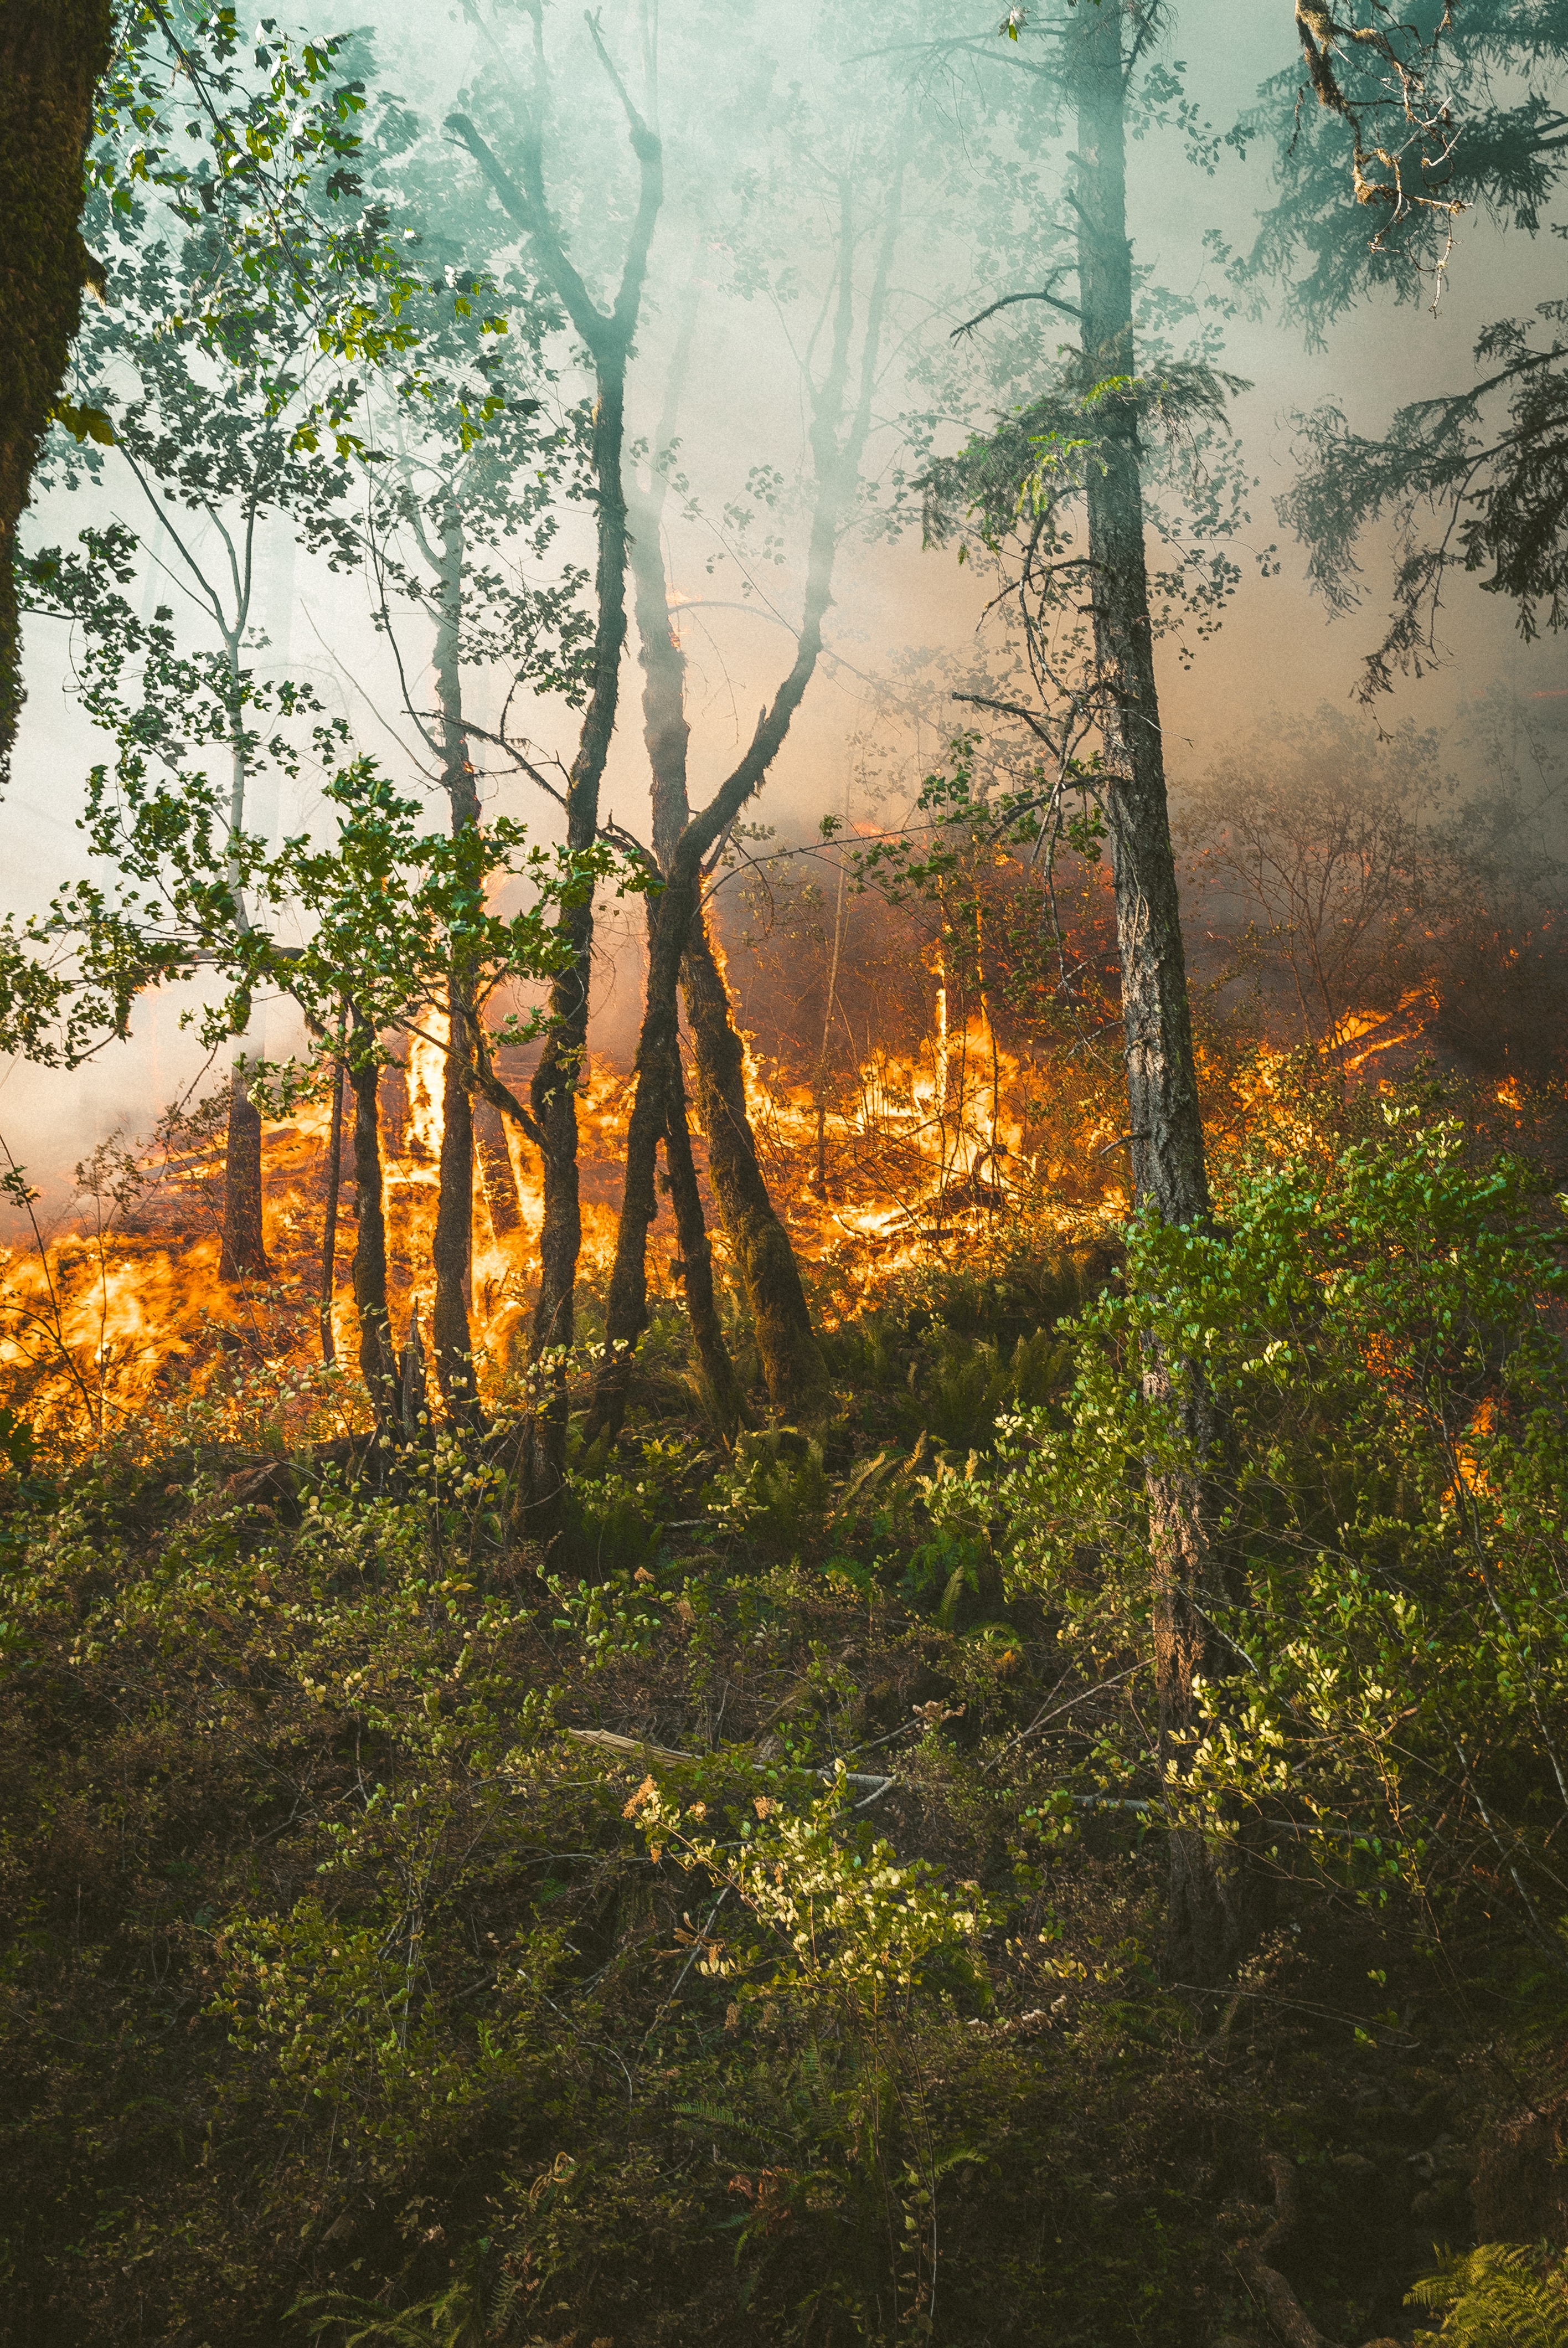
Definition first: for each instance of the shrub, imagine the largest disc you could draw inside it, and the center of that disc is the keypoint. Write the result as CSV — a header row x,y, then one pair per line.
x,y
1384,1336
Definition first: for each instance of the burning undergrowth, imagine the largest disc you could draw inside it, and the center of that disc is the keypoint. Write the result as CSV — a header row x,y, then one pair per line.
x,y
933,1082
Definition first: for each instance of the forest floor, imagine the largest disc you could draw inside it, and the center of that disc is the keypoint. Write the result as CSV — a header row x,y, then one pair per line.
x,y
736,1921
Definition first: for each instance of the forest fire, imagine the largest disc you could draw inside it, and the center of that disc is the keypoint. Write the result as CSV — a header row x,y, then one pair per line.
x,y
925,1154
982,1107
793,1567
128,1305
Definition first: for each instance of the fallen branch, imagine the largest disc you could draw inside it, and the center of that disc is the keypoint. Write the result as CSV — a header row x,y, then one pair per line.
x,y
1262,2277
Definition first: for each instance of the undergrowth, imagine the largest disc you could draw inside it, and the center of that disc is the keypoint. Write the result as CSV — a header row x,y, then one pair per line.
x,y
744,1917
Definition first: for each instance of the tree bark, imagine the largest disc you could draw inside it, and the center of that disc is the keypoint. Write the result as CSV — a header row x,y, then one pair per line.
x,y
763,1255
658,1050
51,58
497,1178
724,1395
563,1064
452,1246
1167,1138
680,953
759,1246
328,1225
376,1362
1207,1924
244,1255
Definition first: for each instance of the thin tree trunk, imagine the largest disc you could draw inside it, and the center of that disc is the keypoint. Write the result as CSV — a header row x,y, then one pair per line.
x,y
452,1247
244,1256
335,1179
667,735
51,58
1207,1925
829,1006
725,1395
376,1360
563,1064
791,1360
658,1051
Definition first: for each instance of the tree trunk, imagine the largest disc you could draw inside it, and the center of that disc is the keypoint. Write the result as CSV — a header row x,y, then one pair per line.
x,y
376,1362
764,1257
761,1248
722,1390
496,1175
51,57
329,1224
791,1360
667,735
658,1049
1168,1164
452,1249
244,1257
658,1114
1206,1925
563,1064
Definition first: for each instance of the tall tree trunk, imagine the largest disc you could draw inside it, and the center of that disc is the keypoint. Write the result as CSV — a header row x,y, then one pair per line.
x,y
244,1255
563,1064
762,1249
667,735
1207,1922
51,57
496,1175
658,1050
763,1254
329,1223
451,1247
376,1360
725,1395
792,1364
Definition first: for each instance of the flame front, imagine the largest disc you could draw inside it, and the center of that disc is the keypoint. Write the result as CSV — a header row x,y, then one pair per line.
x,y
933,1154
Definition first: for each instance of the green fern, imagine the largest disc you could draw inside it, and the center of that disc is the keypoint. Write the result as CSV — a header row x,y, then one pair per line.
x,y
1503,2295
475,2311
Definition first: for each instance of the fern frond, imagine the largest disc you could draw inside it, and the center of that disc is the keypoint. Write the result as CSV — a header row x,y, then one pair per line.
x,y
1501,2295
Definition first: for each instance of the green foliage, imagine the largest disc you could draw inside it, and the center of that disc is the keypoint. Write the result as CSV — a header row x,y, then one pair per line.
x,y
476,2307
1381,1334
414,2037
1500,2295
254,145
835,1917
775,1490
968,1382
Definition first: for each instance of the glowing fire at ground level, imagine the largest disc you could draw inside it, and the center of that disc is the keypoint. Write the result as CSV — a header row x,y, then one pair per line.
x,y
937,1156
